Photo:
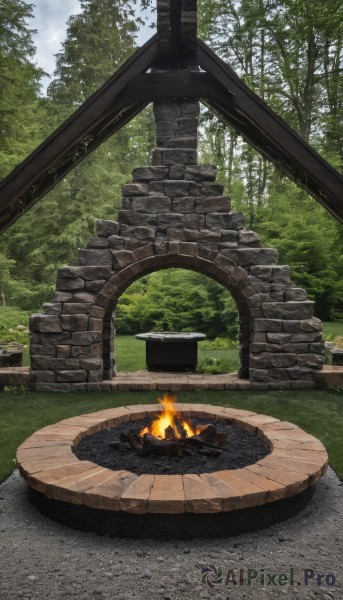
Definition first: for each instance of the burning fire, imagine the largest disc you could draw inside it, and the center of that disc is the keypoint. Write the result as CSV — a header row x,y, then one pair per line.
x,y
169,418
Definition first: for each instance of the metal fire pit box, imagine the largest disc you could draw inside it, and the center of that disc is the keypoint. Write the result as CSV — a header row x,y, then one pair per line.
x,y
171,351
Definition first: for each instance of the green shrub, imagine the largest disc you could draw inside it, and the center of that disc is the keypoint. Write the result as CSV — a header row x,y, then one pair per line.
x,y
212,366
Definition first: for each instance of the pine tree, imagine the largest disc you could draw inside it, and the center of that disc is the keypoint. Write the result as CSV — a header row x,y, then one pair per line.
x,y
98,40
20,108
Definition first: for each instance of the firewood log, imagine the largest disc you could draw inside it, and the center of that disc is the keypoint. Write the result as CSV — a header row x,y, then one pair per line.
x,y
133,438
180,428
169,433
152,445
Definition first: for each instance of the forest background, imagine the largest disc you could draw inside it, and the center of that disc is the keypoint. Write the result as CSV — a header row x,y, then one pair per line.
x,y
288,51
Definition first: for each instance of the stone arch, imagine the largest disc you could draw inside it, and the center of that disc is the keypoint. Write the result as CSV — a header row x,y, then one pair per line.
x,y
221,269
174,213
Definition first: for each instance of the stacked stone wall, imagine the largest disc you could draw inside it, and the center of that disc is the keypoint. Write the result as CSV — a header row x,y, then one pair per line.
x,y
175,214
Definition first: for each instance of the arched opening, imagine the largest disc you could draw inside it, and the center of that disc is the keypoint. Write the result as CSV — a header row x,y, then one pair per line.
x,y
177,300
231,277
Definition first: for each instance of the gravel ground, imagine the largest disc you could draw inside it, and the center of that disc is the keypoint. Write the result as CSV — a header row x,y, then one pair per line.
x,y
42,560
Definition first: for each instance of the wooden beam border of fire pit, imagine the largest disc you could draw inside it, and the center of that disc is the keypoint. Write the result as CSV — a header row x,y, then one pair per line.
x,y
297,461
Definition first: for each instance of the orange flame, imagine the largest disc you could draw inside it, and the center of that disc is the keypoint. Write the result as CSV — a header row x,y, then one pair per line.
x,y
166,419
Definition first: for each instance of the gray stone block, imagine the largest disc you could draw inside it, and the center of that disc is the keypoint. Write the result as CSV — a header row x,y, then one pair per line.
x,y
297,294
261,375
47,363
149,173
269,359
176,188
209,188
70,284
135,189
166,110
313,324
91,364
191,235
45,323
292,326
74,322
95,257
315,361
126,202
44,376
289,310
87,273
177,156
295,348
262,272
95,286
267,325
116,242
76,376
42,350
278,338
142,232
161,247
62,297
80,352
84,297
229,236
212,204
122,258
176,234
52,308
97,242
132,218
276,296
134,244
317,347
63,351
251,256
151,204
281,274
200,173
313,336
106,228
207,235
246,237
156,188
171,220
233,220
189,108
181,142
183,205
188,126
77,308
55,338
176,172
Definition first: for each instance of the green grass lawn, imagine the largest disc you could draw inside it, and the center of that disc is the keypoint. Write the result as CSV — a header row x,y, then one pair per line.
x,y
319,412
130,355
332,329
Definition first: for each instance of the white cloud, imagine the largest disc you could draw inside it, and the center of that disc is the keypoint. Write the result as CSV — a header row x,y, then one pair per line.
x,y
51,23
50,20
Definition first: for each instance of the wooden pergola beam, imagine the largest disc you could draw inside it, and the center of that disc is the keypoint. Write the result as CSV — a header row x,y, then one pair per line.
x,y
132,88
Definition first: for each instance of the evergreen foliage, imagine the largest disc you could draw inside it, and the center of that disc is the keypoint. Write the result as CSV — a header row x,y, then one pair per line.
x,y
289,52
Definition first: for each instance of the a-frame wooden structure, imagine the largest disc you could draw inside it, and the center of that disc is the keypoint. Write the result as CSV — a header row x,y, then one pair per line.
x,y
174,63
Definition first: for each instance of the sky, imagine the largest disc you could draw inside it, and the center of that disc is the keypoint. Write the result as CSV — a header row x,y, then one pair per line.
x,y
50,20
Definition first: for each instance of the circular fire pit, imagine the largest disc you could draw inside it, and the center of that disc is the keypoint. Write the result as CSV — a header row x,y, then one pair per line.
x,y
86,496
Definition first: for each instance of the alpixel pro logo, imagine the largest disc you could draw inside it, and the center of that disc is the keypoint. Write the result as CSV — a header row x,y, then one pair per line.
x,y
213,577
